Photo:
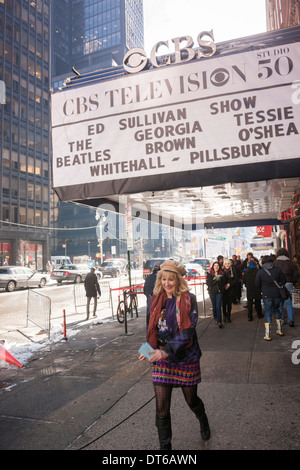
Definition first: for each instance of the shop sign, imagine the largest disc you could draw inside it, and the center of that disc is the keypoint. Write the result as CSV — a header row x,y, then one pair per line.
x,y
290,214
264,231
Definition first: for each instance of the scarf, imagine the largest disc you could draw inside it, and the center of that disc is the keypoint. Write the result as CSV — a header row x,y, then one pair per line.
x,y
183,308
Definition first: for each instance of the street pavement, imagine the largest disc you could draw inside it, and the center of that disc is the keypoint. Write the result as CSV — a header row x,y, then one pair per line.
x,y
91,392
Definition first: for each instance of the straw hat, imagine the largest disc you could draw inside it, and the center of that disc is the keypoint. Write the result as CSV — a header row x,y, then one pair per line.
x,y
174,267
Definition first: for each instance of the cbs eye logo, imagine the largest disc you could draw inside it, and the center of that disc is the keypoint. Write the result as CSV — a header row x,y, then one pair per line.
x,y
296,354
135,60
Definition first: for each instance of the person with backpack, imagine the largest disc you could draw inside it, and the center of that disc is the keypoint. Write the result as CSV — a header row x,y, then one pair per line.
x,y
268,279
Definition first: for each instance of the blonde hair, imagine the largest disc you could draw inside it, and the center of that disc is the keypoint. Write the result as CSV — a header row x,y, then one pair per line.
x,y
176,271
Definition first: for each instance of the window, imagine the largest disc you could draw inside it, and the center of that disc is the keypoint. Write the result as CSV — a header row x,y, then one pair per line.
x,y
30,219
22,215
23,189
30,191
14,187
14,160
5,185
6,159
22,162
30,165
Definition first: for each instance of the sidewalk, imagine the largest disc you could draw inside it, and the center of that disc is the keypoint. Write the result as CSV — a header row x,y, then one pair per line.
x,y
92,393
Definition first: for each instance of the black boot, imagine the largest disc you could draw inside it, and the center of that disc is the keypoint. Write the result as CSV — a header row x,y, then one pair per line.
x,y
164,432
201,416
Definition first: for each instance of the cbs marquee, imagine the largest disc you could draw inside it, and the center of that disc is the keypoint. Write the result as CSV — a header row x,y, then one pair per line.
x,y
196,118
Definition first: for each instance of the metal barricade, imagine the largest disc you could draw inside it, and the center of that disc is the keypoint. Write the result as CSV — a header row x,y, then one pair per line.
x,y
39,310
198,285
105,298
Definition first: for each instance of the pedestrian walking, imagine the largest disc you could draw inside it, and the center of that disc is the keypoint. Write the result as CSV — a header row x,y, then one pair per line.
x,y
270,293
220,260
149,285
175,357
215,281
247,260
291,275
229,295
92,289
237,263
253,292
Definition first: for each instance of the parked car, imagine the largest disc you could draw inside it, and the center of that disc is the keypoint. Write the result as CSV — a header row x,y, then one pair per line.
x,y
205,263
121,262
70,272
148,266
194,270
13,277
111,268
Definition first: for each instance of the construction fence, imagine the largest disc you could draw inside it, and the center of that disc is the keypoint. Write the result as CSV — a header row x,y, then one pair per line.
x,y
39,311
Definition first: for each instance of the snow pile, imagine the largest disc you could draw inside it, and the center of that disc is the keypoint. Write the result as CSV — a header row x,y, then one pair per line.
x,y
24,351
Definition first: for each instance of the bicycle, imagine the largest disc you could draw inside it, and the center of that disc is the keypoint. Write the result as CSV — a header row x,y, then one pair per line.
x,y
123,307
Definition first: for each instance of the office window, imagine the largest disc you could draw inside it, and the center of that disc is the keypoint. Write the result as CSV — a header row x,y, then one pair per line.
x,y
14,187
5,158
30,216
22,162
45,194
30,165
38,217
14,160
5,185
30,190
23,189
22,215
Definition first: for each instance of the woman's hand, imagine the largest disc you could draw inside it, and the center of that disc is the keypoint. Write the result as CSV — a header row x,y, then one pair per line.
x,y
158,355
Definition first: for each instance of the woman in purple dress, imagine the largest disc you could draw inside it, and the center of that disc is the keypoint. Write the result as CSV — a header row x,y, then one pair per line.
x,y
175,357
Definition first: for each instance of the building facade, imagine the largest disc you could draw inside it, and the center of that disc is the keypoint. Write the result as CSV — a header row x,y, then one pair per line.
x,y
25,74
282,13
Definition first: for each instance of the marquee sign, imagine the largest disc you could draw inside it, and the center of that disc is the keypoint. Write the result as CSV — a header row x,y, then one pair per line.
x,y
193,123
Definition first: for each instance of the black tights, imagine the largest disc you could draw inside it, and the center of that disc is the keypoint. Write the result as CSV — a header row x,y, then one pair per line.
x,y
163,395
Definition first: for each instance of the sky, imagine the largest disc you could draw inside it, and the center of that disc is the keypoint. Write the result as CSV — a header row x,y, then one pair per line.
x,y
229,19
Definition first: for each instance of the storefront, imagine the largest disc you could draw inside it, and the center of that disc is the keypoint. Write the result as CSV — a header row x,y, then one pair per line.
x,y
25,249
5,252
30,254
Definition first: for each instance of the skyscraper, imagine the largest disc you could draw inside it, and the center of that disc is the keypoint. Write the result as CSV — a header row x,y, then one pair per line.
x,y
24,132
40,42
88,35
94,34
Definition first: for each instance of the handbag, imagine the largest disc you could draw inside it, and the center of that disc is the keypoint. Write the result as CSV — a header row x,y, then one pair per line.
x,y
284,292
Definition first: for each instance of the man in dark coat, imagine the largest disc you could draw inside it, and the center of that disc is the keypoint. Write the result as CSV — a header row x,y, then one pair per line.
x,y
92,288
270,293
290,272
149,285
253,292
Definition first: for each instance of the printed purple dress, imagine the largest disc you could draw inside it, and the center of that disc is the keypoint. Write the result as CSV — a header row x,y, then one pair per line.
x,y
182,366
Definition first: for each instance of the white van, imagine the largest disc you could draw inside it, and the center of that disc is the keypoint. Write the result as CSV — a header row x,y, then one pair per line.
x,y
58,261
